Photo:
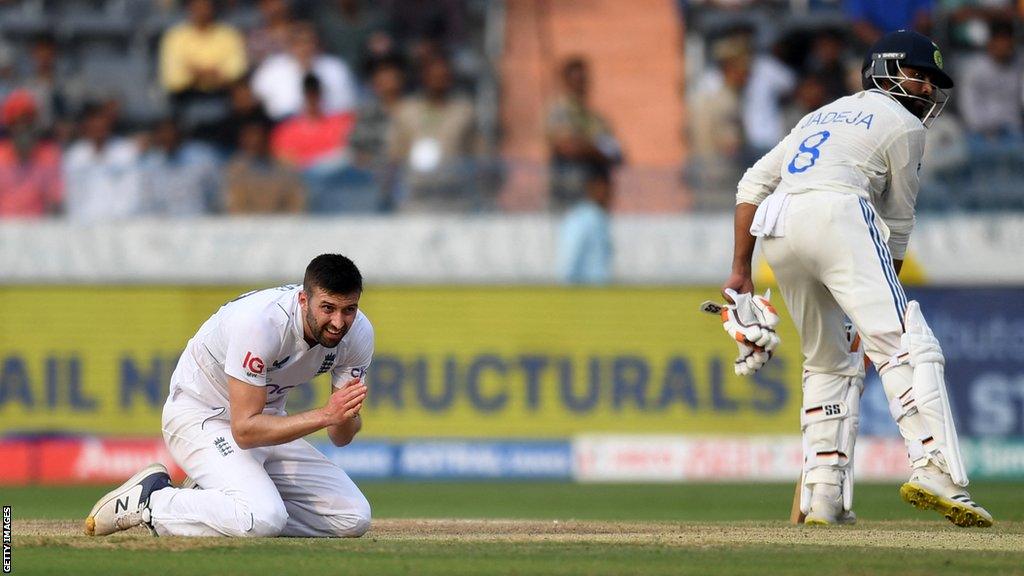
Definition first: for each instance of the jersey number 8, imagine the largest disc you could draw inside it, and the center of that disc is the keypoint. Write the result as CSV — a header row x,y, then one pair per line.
x,y
808,153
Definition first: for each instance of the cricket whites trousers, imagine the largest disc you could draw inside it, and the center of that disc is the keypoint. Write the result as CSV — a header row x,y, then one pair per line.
x,y
285,490
831,263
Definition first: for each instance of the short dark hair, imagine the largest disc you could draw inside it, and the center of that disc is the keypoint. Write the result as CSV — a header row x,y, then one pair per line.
x,y
166,120
390,60
45,39
1000,27
91,109
574,64
311,85
332,273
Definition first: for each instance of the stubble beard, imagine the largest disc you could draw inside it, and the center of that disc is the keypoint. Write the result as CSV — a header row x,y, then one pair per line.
x,y
320,331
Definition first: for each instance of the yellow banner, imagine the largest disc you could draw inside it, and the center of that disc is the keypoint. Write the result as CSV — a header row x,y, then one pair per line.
x,y
539,362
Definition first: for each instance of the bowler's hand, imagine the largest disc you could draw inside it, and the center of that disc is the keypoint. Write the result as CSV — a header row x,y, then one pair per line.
x,y
345,404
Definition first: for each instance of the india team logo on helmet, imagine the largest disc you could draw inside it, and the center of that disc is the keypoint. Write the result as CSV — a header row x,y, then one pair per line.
x,y
937,56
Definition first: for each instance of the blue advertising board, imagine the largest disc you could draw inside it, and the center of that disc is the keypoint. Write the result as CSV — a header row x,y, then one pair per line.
x,y
454,459
982,335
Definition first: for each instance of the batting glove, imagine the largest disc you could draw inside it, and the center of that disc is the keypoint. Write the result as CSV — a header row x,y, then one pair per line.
x,y
751,320
750,359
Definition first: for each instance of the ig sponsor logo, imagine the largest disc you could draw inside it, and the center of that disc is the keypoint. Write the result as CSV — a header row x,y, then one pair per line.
x,y
253,364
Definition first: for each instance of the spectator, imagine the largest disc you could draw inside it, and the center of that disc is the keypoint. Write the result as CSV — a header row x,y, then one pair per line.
x,y
255,183
30,180
427,27
370,170
433,135
271,35
770,81
354,31
313,138
826,63
810,94
199,59
966,21
243,107
990,88
946,166
717,156
872,18
8,72
179,178
585,242
46,87
278,81
578,137
369,137
101,171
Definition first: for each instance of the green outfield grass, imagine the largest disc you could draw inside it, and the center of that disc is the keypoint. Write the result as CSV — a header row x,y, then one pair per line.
x,y
562,500
600,529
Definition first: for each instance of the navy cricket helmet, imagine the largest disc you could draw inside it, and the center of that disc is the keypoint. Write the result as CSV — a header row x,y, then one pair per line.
x,y
888,57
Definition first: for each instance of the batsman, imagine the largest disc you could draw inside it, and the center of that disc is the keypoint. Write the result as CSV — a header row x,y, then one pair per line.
x,y
833,204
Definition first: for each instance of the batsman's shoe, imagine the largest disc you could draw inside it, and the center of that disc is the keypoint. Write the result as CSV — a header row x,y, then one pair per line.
x,y
189,484
932,489
827,507
127,505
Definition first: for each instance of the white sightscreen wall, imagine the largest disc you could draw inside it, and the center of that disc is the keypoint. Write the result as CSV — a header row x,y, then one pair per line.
x,y
683,249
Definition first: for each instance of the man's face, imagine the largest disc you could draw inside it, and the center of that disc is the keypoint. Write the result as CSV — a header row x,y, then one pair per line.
x,y
304,44
45,55
600,191
828,49
97,127
327,317
1001,48
387,83
810,94
253,139
242,98
736,71
201,12
273,10
437,78
918,83
166,136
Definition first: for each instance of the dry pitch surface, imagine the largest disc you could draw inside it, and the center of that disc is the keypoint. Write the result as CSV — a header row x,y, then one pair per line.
x,y
625,530
1004,537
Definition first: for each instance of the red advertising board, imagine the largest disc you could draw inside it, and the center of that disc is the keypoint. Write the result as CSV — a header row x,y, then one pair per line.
x,y
80,460
15,463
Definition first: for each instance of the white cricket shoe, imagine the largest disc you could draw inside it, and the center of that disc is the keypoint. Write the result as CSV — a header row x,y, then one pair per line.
x,y
827,506
930,488
127,505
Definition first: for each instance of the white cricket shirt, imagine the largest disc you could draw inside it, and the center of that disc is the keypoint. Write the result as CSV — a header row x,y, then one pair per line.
x,y
865,144
257,338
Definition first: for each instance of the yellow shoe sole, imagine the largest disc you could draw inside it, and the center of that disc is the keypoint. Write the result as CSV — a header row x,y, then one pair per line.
x,y
845,520
952,511
90,520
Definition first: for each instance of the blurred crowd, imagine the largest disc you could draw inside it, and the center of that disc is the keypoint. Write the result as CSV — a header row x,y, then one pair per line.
x,y
267,106
114,109
761,75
